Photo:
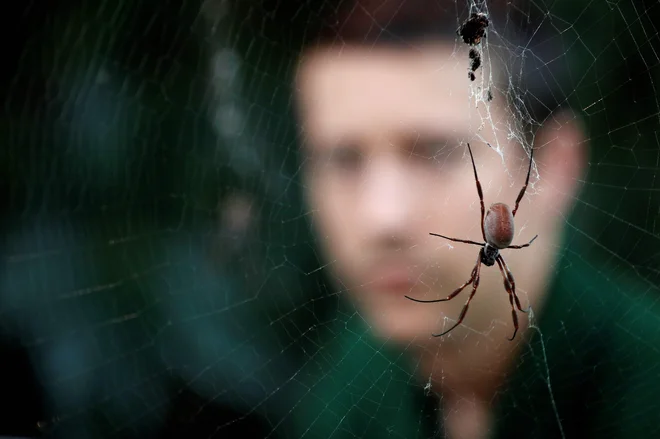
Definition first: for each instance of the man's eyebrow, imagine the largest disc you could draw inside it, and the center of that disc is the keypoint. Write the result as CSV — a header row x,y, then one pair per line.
x,y
435,136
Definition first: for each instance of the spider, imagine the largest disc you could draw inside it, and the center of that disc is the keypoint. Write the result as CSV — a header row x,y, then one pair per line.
x,y
497,231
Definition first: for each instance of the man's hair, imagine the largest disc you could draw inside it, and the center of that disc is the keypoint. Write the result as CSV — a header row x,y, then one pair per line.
x,y
519,65
399,23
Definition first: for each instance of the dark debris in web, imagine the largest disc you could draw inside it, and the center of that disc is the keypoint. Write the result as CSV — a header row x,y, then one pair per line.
x,y
473,30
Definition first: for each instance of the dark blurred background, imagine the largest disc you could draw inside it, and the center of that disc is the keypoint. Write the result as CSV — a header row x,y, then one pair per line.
x,y
158,273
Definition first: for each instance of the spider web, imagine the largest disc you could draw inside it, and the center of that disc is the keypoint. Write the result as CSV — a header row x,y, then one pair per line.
x,y
161,276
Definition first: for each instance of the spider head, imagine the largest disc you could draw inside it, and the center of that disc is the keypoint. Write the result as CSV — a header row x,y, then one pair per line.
x,y
488,255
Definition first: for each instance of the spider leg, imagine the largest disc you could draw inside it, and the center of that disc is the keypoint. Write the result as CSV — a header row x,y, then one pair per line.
x,y
512,295
475,285
452,295
522,191
524,245
481,194
512,283
465,241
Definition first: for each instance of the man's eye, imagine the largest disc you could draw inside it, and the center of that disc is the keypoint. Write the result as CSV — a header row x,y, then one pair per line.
x,y
431,150
347,158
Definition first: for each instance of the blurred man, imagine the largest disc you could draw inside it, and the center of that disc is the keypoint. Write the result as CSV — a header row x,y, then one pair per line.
x,y
384,128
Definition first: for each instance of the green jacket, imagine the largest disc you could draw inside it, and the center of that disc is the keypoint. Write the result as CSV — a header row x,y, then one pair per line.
x,y
590,369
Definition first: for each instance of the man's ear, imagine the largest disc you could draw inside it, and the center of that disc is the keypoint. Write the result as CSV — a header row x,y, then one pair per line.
x,y
561,153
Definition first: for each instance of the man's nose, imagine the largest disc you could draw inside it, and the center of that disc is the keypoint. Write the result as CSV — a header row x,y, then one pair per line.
x,y
387,200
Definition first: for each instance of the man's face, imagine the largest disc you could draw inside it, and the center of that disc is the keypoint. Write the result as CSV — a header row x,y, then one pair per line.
x,y
386,162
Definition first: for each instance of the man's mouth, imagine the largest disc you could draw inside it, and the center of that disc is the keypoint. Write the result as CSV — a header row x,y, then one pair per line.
x,y
394,279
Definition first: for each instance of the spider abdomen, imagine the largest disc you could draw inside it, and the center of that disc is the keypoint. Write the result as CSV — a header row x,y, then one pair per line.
x,y
498,226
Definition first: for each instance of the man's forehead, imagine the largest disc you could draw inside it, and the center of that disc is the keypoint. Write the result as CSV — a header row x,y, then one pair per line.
x,y
412,69
424,88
